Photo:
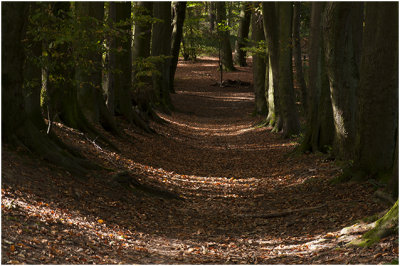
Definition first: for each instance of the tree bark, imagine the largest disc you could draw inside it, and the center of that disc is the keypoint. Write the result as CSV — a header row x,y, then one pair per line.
x,y
343,74
243,33
211,15
319,126
378,95
223,33
109,65
177,33
271,26
259,65
297,56
162,31
291,125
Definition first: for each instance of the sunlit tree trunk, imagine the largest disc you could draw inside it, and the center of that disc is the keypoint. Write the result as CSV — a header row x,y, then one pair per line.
x,y
271,26
223,33
243,33
297,55
343,73
161,46
259,64
109,64
377,146
179,18
319,127
291,125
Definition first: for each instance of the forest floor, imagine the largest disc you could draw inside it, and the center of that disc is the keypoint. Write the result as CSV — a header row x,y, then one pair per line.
x,y
214,190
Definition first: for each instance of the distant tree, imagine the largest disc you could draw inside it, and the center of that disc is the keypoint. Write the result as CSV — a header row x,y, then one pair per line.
x,y
177,33
342,69
259,62
161,46
319,131
223,33
291,125
297,55
243,33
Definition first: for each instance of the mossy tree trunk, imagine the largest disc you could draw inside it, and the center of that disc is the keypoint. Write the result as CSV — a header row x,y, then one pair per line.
x,y
377,136
342,69
161,46
297,56
291,124
259,64
320,127
243,33
223,34
271,26
177,33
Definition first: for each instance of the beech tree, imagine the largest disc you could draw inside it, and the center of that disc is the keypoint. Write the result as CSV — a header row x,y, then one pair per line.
x,y
223,33
243,33
342,69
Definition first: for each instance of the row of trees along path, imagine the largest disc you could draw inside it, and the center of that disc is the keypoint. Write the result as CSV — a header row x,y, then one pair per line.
x,y
200,184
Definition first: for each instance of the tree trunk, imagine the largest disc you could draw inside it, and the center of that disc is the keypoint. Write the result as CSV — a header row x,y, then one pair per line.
x,y
291,125
211,15
343,74
179,18
259,65
271,26
109,65
319,126
297,56
378,95
223,33
162,31
123,64
243,33
18,128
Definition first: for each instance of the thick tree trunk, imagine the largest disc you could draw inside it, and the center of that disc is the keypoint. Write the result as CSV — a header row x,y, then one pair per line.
x,y
343,74
162,31
297,56
223,33
243,33
259,65
271,26
320,128
123,64
378,95
291,125
18,127
179,18
211,15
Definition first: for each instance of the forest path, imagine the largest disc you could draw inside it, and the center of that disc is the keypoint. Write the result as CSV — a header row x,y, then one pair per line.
x,y
245,200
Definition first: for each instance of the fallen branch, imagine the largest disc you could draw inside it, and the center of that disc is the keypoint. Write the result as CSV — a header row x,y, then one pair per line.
x,y
283,213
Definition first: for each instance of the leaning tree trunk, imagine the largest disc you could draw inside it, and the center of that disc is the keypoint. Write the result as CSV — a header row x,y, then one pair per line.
x,y
343,73
259,64
162,31
243,33
223,33
319,126
378,95
177,33
291,125
297,56
271,26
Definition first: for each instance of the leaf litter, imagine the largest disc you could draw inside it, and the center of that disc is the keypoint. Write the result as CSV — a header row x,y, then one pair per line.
x,y
242,199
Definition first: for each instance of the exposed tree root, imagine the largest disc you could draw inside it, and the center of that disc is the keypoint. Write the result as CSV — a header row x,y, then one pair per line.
x,y
385,226
283,213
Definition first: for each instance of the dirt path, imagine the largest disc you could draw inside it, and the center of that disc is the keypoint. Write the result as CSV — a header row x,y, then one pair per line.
x,y
244,200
